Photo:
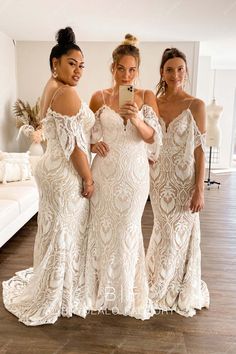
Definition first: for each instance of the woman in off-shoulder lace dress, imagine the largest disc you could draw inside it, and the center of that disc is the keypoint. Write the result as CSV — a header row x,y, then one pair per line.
x,y
177,195
116,278
55,285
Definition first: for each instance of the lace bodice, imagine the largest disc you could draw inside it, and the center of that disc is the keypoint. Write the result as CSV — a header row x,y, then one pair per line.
x,y
182,136
109,126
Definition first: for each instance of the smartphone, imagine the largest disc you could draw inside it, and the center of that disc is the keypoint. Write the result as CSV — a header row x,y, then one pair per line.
x,y
126,93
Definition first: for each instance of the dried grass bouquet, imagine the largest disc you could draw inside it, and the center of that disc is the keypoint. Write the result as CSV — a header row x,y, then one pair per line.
x,y
28,119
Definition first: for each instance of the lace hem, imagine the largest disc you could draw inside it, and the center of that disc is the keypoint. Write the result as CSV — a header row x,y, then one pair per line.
x,y
19,304
190,310
144,312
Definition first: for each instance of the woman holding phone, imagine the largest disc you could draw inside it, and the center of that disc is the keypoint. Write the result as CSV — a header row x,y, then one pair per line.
x,y
115,271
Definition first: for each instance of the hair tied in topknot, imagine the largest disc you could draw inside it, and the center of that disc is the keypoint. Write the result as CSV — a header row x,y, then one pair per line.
x,y
130,40
65,36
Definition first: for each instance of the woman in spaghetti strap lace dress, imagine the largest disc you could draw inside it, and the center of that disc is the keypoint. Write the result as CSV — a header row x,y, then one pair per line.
x,y
116,277
177,194
55,285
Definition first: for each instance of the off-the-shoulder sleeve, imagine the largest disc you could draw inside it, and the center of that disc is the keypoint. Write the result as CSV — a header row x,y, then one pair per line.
x,y
199,138
96,132
151,119
70,133
195,138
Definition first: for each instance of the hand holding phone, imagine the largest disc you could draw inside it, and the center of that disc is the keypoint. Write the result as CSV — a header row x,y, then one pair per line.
x,y
126,93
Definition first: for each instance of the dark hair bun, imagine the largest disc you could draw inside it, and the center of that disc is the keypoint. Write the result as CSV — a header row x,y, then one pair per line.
x,y
167,50
65,36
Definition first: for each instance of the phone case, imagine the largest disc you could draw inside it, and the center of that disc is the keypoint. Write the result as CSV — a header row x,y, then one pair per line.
x,y
126,93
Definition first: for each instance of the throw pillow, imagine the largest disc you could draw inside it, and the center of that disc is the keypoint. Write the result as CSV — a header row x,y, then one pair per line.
x,y
14,166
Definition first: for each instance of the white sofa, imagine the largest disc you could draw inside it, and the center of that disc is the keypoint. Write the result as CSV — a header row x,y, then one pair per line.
x,y
18,203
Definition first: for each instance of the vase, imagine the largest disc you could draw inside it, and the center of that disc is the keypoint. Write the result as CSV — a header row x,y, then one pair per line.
x,y
36,149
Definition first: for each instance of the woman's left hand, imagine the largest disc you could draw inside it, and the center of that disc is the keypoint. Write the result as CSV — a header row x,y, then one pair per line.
x,y
130,111
88,189
197,201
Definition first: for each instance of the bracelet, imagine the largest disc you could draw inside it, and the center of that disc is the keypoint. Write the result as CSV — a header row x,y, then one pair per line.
x,y
89,184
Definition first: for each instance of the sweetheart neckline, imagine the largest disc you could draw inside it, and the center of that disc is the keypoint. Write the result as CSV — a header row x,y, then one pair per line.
x,y
111,109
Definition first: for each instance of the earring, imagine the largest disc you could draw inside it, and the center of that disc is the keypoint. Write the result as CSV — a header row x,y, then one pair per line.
x,y
54,74
184,82
163,85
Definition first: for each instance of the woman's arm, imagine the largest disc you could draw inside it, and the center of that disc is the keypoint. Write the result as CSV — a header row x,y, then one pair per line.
x,y
96,103
80,163
130,111
199,113
68,103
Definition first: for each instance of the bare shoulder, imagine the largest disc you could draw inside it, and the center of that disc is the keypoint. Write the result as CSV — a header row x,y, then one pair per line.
x,y
148,94
197,104
198,110
160,102
96,101
150,100
66,101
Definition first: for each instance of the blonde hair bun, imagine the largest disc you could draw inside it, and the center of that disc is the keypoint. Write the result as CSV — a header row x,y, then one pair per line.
x,y
130,40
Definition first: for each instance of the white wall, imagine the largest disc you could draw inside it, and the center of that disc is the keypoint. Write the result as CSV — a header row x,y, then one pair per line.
x,y
33,66
7,94
224,92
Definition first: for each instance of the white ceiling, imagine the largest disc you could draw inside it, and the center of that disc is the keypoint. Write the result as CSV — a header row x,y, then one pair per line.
x,y
210,21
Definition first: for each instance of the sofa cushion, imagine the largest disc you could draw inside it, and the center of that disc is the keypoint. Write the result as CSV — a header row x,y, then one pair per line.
x,y
28,183
24,195
18,203
9,210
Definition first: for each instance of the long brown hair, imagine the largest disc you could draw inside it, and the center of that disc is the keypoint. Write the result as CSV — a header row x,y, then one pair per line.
x,y
169,53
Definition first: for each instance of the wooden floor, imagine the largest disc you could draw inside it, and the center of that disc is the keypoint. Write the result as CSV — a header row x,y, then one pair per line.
x,y
211,331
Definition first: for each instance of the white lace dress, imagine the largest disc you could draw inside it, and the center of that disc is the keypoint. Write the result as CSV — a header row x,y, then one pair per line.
x,y
174,256
55,284
116,278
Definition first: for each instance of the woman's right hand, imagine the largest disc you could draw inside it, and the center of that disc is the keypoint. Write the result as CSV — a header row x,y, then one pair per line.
x,y
88,189
151,162
100,148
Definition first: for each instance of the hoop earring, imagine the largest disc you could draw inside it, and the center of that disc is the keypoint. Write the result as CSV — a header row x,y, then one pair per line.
x,y
54,73
163,85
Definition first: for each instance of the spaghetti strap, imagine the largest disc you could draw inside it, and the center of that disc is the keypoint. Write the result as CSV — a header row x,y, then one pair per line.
x,y
55,93
103,98
191,103
143,95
